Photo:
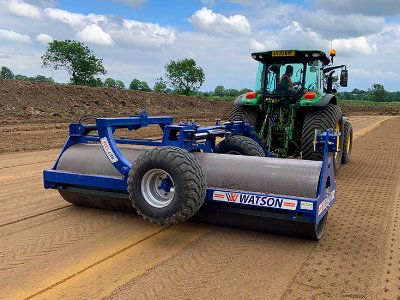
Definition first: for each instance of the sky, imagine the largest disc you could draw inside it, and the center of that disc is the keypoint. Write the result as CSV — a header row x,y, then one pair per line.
x,y
137,38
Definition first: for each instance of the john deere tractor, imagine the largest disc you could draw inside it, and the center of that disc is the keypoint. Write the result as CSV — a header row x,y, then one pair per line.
x,y
294,98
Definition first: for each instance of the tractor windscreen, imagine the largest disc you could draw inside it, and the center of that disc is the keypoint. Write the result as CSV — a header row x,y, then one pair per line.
x,y
284,78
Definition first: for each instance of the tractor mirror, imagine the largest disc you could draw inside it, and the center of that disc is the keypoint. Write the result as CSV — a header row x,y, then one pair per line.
x,y
344,77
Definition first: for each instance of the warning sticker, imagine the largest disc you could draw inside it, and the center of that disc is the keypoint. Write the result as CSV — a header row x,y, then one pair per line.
x,y
325,203
255,199
306,205
108,151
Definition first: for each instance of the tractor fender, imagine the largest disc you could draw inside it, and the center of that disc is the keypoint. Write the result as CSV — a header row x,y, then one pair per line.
x,y
325,100
246,100
238,101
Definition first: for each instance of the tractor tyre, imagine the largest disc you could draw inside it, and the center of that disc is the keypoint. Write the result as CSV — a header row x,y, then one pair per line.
x,y
324,118
347,142
166,185
249,114
239,145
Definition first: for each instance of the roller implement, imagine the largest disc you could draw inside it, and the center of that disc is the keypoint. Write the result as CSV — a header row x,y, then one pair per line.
x,y
186,174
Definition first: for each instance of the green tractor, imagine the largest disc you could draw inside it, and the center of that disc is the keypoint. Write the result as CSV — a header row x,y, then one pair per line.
x,y
294,98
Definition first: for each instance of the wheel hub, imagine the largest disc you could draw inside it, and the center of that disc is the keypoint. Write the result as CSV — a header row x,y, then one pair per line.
x,y
157,188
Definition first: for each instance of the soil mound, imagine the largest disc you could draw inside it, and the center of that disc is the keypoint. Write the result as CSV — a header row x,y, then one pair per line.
x,y
32,102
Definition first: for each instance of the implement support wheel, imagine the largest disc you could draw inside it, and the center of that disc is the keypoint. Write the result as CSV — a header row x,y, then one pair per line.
x,y
166,185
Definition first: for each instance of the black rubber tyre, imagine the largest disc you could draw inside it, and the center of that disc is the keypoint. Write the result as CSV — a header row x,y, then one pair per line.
x,y
168,166
326,117
347,142
239,145
249,114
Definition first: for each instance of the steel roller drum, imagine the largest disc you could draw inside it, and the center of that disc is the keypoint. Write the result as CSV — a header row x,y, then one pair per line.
x,y
290,177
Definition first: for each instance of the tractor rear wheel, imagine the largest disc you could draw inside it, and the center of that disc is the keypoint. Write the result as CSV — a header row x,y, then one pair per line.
x,y
166,185
347,142
239,145
249,114
326,117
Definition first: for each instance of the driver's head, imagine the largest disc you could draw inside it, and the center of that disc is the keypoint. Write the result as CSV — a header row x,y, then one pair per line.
x,y
289,70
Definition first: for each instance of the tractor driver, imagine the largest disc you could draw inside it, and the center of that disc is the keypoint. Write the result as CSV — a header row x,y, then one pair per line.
x,y
286,84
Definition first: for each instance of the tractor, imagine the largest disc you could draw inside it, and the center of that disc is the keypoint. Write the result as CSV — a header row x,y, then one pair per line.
x,y
294,98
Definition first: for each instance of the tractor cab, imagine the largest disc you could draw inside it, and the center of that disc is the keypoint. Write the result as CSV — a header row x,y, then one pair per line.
x,y
292,73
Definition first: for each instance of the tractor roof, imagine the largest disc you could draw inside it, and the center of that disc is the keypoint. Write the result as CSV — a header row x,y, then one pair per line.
x,y
290,56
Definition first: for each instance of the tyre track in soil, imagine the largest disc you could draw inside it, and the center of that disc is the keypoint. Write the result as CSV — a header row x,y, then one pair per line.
x,y
37,237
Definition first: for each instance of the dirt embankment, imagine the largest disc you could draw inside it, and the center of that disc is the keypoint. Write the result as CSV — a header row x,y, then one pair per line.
x,y
35,102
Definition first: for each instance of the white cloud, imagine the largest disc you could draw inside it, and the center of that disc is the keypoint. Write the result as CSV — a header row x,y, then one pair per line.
x,y
372,8
268,43
358,45
95,34
143,34
23,9
44,38
14,36
206,20
74,19
336,26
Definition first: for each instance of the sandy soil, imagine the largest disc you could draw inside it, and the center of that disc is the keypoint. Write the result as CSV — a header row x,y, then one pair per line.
x,y
50,249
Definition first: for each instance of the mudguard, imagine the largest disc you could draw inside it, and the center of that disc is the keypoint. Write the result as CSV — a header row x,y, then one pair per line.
x,y
244,99
325,100
321,100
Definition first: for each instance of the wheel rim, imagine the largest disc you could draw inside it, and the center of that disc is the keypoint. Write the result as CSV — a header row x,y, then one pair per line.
x,y
337,130
158,188
348,144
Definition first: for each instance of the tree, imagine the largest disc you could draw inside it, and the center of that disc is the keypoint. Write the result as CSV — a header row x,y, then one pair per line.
x,y
109,82
74,57
21,77
160,86
145,87
219,91
378,92
119,84
135,84
41,78
6,73
138,85
184,76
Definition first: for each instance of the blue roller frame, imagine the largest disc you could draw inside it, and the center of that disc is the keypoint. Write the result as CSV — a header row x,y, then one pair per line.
x,y
193,137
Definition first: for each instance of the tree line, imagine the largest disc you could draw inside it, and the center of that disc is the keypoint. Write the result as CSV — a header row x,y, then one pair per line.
x,y
376,93
182,76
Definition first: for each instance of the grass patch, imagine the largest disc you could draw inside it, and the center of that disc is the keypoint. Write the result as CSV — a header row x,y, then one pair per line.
x,y
367,103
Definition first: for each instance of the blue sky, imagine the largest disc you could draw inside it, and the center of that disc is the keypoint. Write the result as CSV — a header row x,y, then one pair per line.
x,y
136,38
